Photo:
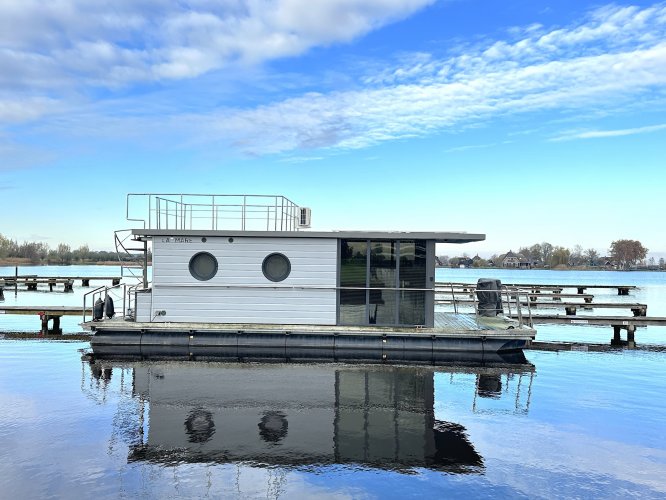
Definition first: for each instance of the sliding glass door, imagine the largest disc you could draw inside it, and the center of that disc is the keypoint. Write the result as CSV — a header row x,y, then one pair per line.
x,y
382,282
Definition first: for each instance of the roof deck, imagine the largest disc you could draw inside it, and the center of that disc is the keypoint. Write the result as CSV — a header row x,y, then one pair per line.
x,y
247,215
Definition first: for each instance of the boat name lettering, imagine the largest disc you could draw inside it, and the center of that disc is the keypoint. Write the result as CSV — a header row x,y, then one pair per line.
x,y
177,240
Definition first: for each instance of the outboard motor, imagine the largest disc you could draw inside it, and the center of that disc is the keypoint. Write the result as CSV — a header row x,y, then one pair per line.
x,y
110,311
489,296
98,310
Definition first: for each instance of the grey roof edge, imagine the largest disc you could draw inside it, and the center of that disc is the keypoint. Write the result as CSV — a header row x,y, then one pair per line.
x,y
437,236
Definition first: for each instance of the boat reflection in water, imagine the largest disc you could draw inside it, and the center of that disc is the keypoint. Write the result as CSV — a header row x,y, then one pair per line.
x,y
302,415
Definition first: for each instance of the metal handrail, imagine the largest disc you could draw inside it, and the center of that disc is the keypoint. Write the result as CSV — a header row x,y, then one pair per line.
x,y
213,211
105,290
508,296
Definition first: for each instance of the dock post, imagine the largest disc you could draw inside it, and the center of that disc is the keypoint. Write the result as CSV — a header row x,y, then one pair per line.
x,y
115,282
622,290
52,283
56,326
631,339
69,285
581,290
45,323
15,281
2,294
617,339
570,310
85,282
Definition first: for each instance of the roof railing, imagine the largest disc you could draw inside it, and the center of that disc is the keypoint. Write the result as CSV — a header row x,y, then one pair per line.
x,y
245,212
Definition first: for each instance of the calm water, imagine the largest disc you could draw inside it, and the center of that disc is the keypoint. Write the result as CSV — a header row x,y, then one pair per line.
x,y
566,425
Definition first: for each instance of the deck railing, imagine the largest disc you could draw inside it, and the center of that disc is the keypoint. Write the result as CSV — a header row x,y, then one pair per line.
x,y
460,296
245,212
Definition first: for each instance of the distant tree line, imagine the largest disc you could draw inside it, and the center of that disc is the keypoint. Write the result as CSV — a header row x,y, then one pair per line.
x,y
42,253
622,254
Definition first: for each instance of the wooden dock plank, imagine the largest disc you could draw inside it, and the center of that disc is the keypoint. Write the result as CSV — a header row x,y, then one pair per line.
x,y
48,310
598,320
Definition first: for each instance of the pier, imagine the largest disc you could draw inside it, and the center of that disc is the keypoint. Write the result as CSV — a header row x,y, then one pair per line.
x,y
30,282
539,288
532,298
46,314
550,296
621,289
569,307
618,323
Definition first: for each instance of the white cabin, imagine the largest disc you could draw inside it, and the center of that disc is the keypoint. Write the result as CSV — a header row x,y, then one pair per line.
x,y
205,270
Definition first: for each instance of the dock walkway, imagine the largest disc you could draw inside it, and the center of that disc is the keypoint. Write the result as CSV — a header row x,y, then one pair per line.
x,y
46,314
32,281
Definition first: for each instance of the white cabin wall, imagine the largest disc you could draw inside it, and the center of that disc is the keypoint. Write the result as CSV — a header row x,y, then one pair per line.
x,y
239,292
142,299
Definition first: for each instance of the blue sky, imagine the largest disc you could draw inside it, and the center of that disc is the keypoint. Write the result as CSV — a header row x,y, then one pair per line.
x,y
526,120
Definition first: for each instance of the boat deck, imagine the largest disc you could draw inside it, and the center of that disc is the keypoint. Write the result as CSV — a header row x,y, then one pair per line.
x,y
453,333
446,323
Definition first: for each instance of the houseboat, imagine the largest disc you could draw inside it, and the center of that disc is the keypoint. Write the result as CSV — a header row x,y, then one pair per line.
x,y
243,275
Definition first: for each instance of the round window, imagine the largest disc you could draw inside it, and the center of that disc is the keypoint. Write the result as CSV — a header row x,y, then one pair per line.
x,y
276,267
203,266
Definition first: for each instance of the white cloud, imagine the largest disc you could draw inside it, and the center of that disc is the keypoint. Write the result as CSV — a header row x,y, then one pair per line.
x,y
597,134
613,58
362,118
117,42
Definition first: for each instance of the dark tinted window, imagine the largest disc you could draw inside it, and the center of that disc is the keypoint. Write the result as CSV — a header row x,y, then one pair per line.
x,y
276,267
203,266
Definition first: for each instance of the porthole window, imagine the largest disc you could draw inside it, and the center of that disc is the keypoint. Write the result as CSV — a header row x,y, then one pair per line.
x,y
203,266
276,267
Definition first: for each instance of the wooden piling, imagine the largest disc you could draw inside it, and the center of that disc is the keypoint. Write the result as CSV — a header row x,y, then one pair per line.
x,y
85,282
56,326
631,331
45,323
570,310
622,290
617,339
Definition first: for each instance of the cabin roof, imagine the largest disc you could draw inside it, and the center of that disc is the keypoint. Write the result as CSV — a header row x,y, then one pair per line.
x,y
439,237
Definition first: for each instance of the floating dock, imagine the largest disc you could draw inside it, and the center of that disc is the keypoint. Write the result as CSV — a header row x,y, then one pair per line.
x,y
453,333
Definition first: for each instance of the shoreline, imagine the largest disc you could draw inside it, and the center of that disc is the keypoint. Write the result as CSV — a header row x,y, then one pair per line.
x,y
23,262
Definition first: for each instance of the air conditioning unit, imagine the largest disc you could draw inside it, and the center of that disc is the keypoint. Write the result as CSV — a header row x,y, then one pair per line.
x,y
304,217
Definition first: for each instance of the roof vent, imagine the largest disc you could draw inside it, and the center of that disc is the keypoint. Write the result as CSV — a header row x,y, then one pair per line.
x,y
304,217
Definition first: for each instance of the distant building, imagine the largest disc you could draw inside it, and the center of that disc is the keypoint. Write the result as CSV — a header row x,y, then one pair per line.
x,y
516,261
465,262
605,261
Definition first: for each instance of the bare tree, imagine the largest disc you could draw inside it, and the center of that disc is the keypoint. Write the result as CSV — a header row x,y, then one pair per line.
x,y
576,255
64,253
627,252
546,251
591,256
